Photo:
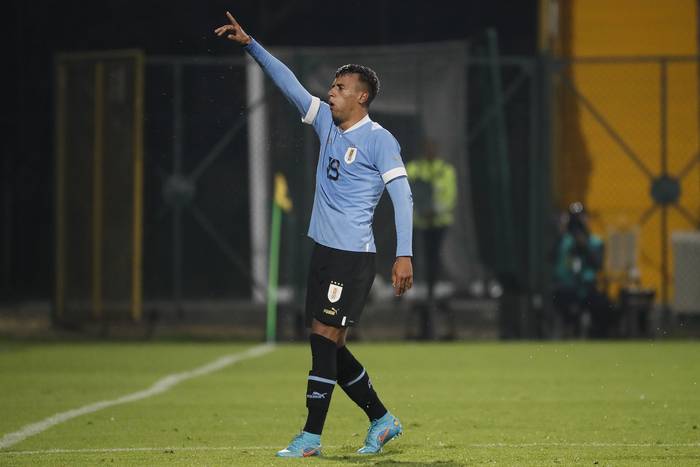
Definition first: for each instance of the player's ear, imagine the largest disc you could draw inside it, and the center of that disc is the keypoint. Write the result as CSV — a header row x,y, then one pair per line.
x,y
364,95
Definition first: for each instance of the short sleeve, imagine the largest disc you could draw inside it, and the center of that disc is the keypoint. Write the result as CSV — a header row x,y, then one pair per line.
x,y
387,154
319,116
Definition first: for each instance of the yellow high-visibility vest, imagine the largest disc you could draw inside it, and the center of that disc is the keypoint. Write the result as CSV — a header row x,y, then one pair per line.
x,y
434,187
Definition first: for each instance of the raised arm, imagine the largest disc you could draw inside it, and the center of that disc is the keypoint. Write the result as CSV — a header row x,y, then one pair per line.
x,y
275,69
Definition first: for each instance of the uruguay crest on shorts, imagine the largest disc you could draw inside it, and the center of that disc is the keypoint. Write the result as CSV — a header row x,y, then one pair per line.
x,y
350,155
335,289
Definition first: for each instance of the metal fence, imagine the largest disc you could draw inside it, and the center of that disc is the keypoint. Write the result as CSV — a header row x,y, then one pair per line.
x,y
526,136
628,146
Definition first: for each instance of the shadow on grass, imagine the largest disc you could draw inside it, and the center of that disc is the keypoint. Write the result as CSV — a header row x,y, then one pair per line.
x,y
385,459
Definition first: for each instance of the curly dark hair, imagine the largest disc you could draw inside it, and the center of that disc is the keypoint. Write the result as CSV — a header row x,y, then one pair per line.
x,y
366,75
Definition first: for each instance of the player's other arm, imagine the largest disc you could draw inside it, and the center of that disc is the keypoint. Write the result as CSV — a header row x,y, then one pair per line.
x,y
390,165
282,76
401,198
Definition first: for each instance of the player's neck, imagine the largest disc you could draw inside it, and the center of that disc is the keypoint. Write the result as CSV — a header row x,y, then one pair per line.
x,y
354,118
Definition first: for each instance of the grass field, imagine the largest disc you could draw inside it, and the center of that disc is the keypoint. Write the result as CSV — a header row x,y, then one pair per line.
x,y
461,404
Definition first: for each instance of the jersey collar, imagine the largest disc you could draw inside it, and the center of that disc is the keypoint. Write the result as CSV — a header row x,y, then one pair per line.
x,y
357,125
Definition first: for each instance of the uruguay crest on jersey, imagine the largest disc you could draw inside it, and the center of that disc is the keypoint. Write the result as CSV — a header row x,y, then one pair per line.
x,y
350,155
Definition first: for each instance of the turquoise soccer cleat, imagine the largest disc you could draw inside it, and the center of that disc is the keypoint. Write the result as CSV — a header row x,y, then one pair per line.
x,y
303,445
380,432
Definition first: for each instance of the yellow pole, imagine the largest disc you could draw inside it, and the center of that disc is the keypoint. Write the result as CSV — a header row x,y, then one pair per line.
x,y
137,150
60,189
98,154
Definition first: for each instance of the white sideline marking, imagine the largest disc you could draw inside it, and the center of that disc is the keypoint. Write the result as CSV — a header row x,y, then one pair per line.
x,y
113,450
158,387
586,445
252,448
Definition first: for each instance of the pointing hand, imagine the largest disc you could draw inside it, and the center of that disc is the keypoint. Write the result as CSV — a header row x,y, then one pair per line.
x,y
233,31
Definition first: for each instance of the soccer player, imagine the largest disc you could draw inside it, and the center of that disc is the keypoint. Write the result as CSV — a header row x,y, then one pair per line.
x,y
358,159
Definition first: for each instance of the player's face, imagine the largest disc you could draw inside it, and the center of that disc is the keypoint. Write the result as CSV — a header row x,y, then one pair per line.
x,y
345,96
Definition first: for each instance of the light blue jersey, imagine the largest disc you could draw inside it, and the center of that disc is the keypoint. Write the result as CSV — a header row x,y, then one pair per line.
x,y
352,169
354,166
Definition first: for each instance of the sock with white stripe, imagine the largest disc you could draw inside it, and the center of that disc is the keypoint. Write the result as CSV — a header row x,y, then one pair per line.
x,y
355,381
321,382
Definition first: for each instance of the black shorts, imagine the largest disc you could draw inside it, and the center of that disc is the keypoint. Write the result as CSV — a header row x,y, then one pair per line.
x,y
338,285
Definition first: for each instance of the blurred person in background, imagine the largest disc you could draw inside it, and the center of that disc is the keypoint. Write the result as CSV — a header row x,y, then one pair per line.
x,y
358,160
434,187
578,259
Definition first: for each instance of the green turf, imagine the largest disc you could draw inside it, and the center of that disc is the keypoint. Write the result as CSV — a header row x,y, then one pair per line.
x,y
461,404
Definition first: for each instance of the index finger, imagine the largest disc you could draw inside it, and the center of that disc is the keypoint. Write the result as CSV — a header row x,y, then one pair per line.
x,y
232,19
